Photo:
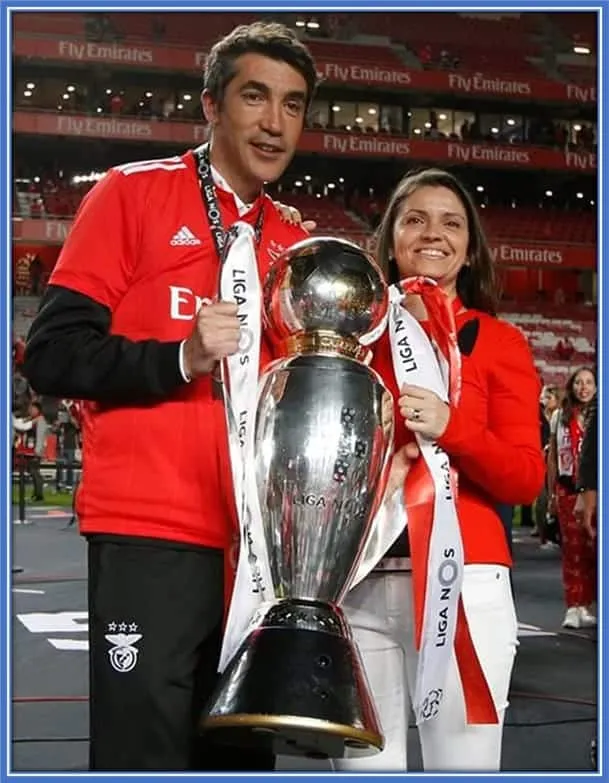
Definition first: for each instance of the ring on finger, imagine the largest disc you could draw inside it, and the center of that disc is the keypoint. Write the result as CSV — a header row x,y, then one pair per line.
x,y
415,414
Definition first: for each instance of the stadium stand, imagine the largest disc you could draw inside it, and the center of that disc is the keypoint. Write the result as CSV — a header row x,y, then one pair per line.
x,y
509,47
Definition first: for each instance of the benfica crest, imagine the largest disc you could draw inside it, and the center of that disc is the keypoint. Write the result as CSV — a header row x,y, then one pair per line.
x,y
123,654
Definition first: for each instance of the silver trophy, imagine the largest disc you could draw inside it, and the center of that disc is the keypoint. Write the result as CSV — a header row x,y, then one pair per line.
x,y
324,434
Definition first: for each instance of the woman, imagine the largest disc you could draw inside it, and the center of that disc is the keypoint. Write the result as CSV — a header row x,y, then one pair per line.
x,y
578,551
431,228
550,400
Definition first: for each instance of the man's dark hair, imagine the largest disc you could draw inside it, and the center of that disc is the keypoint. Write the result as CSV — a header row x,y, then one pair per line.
x,y
269,39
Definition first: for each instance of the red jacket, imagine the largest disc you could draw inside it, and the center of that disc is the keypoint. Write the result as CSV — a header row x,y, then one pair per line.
x,y
141,246
493,436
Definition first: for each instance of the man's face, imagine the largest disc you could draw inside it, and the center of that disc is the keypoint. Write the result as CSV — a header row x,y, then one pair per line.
x,y
257,125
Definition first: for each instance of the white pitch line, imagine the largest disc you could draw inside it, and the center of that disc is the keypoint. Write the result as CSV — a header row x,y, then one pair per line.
x,y
70,644
28,591
524,629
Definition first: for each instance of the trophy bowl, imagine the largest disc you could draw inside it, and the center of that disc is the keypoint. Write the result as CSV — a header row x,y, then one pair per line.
x,y
323,440
325,294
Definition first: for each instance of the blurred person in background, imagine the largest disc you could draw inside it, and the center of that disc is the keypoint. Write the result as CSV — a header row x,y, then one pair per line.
x,y
431,228
30,433
547,524
68,433
131,323
578,554
22,393
586,504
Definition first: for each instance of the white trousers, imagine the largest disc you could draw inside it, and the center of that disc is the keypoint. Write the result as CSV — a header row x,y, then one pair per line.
x,y
381,616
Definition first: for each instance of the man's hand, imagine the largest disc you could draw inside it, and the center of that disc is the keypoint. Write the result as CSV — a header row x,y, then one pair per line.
x,y
216,334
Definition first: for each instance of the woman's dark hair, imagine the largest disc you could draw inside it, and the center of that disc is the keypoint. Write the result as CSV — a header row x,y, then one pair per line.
x,y
570,403
476,282
270,39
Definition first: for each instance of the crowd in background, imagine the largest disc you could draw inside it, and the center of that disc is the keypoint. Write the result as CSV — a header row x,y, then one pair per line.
x,y
100,97
556,519
45,432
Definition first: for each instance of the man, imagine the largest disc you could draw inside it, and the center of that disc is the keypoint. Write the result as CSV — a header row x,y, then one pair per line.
x,y
131,324
68,436
30,442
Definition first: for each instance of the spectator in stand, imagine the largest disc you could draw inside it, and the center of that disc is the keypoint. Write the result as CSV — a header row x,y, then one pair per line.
x,y
561,135
168,108
578,556
426,56
447,60
374,213
156,501
564,349
547,528
36,208
331,25
117,103
559,297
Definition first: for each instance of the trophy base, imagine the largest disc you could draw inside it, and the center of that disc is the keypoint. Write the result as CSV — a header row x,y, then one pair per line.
x,y
297,687
292,735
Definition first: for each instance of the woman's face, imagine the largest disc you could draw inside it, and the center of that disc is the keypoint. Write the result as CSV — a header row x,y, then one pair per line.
x,y
584,386
549,400
431,236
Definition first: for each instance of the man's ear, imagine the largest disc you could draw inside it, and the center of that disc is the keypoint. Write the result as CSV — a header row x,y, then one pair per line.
x,y
210,107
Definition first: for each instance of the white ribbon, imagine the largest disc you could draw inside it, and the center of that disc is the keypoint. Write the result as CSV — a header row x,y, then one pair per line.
x,y
417,361
240,283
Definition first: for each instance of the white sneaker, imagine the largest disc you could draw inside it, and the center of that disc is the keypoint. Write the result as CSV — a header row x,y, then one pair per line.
x,y
572,618
587,619
549,545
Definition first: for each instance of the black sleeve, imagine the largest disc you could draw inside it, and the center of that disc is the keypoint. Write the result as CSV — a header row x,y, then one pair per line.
x,y
588,462
70,353
545,427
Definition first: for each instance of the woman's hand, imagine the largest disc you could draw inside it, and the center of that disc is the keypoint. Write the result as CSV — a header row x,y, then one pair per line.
x,y
423,411
292,216
585,511
400,465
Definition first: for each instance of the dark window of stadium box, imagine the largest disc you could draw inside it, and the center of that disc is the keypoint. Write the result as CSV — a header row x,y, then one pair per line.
x,y
362,117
